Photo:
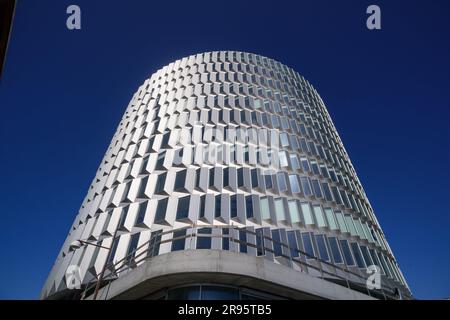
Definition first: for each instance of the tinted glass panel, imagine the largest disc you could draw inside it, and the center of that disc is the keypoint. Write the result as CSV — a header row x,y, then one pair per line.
x,y
211,177
281,182
141,213
350,224
307,216
375,259
202,206
254,174
160,161
294,162
318,213
268,180
366,255
335,250
326,191
113,250
180,180
161,210
225,239
293,181
276,243
347,254
187,293
292,240
305,164
183,208
179,243
240,177
233,206
259,242
226,177
219,293
307,245
337,197
160,183
142,186
294,212
132,245
123,218
383,264
341,222
321,245
306,186
315,167
279,210
249,206
204,242
265,211
316,188
154,244
243,239
330,219
217,207
357,255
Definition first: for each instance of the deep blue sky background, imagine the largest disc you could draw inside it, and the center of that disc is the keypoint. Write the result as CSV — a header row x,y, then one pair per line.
x,y
63,93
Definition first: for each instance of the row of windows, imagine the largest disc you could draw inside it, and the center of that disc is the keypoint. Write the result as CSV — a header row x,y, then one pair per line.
x,y
320,190
292,243
244,155
260,119
240,208
289,78
284,76
255,151
253,156
251,118
309,132
232,178
211,292
240,109
243,88
182,68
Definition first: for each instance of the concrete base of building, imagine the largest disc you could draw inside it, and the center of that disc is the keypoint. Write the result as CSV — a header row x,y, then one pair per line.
x,y
222,267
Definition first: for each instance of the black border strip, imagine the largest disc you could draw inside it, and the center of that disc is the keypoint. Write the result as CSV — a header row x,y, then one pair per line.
x,y
7,8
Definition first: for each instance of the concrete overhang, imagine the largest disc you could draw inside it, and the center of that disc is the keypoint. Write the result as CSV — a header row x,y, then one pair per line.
x,y
222,267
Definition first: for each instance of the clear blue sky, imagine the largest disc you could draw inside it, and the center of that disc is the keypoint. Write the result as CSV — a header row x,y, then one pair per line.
x,y
63,93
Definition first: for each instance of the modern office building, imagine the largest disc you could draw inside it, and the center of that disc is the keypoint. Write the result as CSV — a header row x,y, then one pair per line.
x,y
226,178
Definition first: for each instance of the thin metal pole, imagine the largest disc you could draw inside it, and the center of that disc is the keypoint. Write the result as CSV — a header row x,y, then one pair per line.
x,y
191,238
92,244
100,278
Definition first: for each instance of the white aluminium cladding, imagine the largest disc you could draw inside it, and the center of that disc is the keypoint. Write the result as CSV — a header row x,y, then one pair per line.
x,y
225,138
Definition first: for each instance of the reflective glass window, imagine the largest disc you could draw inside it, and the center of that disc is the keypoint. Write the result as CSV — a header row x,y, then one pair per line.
x,y
307,215
307,245
347,254
322,247
335,250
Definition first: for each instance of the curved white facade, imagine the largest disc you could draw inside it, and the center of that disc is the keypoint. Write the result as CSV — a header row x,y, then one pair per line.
x,y
224,139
